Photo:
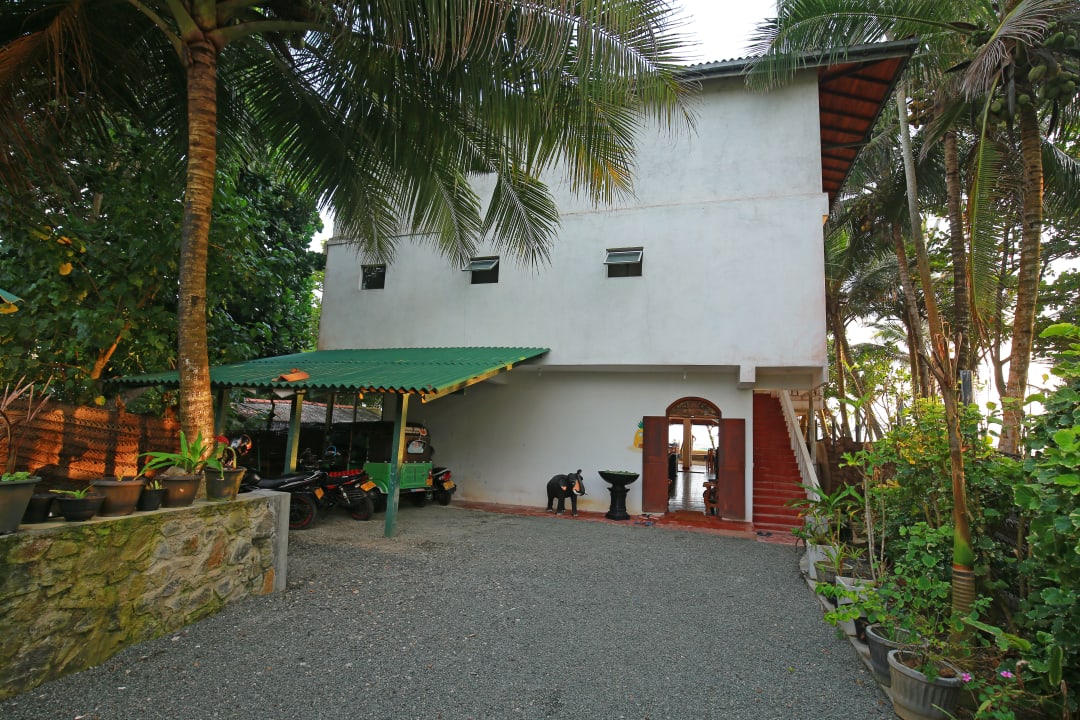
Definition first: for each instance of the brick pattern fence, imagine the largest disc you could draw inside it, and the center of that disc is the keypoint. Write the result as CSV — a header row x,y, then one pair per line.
x,y
68,444
74,594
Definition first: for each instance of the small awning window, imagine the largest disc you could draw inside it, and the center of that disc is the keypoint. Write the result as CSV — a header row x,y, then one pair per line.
x,y
624,256
479,264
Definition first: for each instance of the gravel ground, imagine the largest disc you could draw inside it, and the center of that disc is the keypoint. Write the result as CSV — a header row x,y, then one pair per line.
x,y
468,614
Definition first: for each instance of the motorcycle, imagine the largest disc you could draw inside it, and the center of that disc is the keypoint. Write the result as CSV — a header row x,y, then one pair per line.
x,y
315,490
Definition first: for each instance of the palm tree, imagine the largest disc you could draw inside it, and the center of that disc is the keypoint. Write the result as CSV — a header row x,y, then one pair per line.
x,y
995,43
383,111
1014,52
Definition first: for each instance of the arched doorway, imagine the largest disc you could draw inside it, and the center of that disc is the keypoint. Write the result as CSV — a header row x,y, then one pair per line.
x,y
726,465
693,435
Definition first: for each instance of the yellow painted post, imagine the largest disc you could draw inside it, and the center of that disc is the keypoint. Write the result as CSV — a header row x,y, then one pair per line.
x,y
294,432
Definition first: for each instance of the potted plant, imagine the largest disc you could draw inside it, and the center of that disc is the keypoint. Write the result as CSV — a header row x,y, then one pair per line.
x,y
15,492
923,684
825,517
815,535
78,505
121,494
182,470
16,488
152,495
223,483
839,560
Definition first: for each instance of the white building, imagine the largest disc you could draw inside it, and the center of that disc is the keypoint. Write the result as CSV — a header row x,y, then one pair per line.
x,y
707,285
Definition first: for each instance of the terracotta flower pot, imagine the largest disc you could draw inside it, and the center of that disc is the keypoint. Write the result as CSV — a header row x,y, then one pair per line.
x,y
180,489
223,485
120,496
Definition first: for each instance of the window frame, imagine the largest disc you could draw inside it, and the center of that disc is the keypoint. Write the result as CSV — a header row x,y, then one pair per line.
x,y
376,270
483,270
625,261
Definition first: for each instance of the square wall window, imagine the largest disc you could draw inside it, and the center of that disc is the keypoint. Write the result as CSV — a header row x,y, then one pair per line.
x,y
373,277
624,262
484,270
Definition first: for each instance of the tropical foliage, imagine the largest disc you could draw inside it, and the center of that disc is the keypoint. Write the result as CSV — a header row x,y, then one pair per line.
x,y
94,256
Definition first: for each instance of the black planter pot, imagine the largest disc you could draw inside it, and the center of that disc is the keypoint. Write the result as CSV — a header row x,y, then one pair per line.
x,y
223,485
39,508
14,497
79,509
150,499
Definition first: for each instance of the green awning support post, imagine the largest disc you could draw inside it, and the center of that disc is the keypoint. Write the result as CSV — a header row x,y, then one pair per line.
x,y
397,453
293,442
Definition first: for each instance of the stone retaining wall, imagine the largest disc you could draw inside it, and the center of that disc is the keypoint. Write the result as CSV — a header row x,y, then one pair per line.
x,y
74,594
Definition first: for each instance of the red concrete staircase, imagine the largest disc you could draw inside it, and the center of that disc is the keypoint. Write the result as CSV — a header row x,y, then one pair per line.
x,y
776,473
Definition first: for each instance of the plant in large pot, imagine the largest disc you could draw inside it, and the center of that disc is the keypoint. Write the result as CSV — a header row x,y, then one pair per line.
x,y
121,494
16,489
815,535
182,471
18,406
223,483
825,519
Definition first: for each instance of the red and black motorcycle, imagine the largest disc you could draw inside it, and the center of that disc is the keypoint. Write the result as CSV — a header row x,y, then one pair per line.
x,y
313,491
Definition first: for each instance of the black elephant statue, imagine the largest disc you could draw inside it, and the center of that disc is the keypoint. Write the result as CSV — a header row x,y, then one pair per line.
x,y
562,487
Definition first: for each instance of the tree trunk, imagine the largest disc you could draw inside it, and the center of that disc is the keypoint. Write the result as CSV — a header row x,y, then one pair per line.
x,y
839,350
196,401
963,578
1027,280
920,376
961,286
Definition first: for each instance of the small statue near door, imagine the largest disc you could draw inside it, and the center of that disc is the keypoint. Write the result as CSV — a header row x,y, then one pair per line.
x,y
712,498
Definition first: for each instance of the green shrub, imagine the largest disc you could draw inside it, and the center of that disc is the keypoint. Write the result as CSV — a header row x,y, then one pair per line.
x,y
1051,502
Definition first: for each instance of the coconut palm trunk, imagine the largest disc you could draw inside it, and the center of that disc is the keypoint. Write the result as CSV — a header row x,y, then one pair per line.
x,y
1027,280
919,375
197,412
958,244
944,370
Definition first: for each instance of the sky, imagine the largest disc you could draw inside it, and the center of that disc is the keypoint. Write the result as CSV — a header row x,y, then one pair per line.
x,y
723,28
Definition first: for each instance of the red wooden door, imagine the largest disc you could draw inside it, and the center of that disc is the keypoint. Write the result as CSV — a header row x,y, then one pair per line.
x,y
731,469
654,477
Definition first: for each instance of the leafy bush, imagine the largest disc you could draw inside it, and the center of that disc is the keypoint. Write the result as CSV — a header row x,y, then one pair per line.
x,y
1051,499
911,491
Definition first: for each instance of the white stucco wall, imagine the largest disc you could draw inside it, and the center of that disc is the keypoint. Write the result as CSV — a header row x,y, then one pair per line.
x,y
730,220
504,441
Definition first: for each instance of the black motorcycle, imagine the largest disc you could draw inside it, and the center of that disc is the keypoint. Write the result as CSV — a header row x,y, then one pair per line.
x,y
315,490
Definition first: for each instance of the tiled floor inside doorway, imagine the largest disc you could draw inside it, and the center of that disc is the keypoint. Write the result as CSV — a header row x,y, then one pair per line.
x,y
689,490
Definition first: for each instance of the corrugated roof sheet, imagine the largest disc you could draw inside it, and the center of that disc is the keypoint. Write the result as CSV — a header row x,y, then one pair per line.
x,y
312,413
428,372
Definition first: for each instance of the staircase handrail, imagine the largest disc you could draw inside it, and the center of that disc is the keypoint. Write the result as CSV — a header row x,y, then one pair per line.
x,y
802,454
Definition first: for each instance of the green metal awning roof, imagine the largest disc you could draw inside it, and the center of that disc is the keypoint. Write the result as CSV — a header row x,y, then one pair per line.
x,y
427,372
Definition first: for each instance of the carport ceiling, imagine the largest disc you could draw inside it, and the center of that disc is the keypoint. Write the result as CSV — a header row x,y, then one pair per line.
x,y
426,372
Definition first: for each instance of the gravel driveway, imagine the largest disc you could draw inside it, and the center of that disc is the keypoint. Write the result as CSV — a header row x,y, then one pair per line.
x,y
469,614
